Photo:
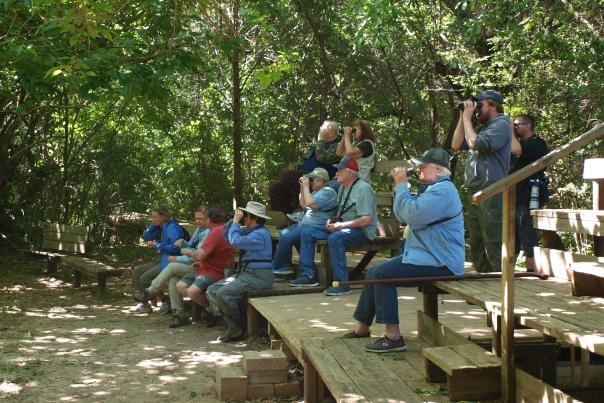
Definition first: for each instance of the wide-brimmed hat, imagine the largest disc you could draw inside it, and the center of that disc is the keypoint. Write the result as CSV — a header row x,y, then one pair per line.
x,y
347,162
436,156
318,172
257,209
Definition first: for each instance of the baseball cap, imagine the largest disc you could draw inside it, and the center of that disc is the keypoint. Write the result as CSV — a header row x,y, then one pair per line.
x,y
347,162
436,156
489,94
318,173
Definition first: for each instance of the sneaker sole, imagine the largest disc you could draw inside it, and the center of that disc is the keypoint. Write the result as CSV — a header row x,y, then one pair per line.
x,y
390,350
304,285
331,294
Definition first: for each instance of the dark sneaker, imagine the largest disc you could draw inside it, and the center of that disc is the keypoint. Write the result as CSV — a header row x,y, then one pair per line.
x,y
385,345
283,271
335,291
142,296
165,308
233,333
355,335
212,320
303,281
179,319
141,308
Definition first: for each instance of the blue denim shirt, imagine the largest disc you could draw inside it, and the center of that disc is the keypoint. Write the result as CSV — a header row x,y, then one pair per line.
x,y
170,231
256,242
439,244
195,243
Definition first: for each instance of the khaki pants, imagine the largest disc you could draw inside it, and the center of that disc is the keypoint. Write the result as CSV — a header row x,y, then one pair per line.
x,y
169,276
143,275
483,222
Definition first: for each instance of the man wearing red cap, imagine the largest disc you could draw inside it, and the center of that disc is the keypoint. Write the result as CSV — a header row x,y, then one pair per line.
x,y
354,222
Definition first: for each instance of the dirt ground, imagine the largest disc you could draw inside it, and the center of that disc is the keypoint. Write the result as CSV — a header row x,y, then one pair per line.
x,y
58,343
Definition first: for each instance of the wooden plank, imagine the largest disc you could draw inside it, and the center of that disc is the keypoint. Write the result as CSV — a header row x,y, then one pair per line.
x,y
479,356
532,390
587,279
64,246
89,266
70,229
329,370
384,167
557,263
598,203
66,237
593,169
384,199
447,359
565,150
588,222
435,333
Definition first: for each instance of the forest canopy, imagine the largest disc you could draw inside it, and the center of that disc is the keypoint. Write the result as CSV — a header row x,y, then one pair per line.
x,y
113,106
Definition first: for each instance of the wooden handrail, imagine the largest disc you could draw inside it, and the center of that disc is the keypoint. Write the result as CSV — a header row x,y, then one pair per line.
x,y
541,163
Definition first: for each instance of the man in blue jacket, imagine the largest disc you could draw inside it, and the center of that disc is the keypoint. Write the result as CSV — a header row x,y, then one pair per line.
x,y
434,246
160,235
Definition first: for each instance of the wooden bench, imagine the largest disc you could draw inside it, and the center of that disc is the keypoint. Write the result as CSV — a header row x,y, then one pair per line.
x,y
82,266
472,373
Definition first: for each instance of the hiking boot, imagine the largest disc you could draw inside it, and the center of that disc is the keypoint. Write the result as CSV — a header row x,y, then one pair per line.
x,y
165,308
141,308
179,319
283,271
304,281
233,333
142,296
355,335
335,291
385,345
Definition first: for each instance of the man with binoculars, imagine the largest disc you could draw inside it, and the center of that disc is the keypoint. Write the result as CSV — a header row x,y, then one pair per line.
x,y
489,145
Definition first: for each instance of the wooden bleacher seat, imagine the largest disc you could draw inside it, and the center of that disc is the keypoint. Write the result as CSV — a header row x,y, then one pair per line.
x,y
472,373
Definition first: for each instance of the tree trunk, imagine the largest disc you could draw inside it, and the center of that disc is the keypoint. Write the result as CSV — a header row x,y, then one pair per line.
x,y
236,109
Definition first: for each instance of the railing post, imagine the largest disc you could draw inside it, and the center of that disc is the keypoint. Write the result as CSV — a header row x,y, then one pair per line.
x,y
508,257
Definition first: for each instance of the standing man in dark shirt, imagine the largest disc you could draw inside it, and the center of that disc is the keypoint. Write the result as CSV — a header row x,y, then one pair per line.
x,y
526,148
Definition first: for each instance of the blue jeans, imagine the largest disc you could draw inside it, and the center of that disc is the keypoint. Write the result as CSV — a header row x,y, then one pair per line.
x,y
337,243
288,238
380,301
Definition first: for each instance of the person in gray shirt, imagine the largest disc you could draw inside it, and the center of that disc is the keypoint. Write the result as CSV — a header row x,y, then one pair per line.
x,y
489,145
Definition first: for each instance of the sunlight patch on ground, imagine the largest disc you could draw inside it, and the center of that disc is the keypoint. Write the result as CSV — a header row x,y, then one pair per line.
x,y
16,288
10,388
51,282
157,363
194,358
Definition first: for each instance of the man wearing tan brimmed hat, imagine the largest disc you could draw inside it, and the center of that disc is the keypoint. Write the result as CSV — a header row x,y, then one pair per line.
x,y
317,206
254,271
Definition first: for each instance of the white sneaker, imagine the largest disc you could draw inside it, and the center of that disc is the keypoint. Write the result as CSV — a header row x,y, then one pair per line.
x,y
141,308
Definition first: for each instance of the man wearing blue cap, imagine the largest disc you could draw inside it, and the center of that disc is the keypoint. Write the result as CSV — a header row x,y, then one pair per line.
x,y
489,146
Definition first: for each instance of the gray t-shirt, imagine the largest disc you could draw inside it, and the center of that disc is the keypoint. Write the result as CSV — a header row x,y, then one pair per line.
x,y
490,159
361,202
326,199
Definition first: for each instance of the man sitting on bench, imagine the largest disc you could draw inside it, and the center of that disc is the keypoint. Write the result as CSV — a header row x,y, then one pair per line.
x,y
354,222
317,206
434,246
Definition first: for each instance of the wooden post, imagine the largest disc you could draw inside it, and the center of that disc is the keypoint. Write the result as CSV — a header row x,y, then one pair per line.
x,y
430,295
311,380
598,204
508,369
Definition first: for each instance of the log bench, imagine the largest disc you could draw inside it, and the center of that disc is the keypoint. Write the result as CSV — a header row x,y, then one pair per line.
x,y
98,271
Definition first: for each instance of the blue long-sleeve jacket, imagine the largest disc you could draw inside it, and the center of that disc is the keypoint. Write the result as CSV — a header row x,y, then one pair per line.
x,y
170,232
439,244
196,243
256,242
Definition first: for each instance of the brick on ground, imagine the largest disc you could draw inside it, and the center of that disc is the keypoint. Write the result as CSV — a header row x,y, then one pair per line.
x,y
260,390
291,388
280,345
265,360
259,377
231,383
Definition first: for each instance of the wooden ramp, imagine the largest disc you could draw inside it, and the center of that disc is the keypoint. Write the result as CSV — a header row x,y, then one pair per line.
x,y
297,319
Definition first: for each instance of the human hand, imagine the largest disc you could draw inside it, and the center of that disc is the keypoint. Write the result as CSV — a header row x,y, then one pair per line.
x,y
171,258
335,226
348,131
469,108
151,244
238,215
187,252
399,175
304,181
180,243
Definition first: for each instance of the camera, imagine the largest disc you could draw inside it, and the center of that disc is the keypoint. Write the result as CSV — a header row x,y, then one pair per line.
x,y
460,106
410,172
341,130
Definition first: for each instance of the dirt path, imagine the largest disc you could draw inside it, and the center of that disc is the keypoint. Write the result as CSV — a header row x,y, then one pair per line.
x,y
62,344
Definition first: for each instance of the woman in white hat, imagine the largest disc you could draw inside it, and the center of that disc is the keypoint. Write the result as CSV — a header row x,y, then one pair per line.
x,y
254,271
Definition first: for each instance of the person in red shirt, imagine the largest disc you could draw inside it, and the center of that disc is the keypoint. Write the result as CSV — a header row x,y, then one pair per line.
x,y
215,256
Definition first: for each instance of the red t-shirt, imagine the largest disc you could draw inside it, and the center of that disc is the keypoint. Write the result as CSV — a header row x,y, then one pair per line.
x,y
220,254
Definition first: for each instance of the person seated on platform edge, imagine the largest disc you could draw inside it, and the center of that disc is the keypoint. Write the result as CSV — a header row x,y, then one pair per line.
x,y
179,265
216,256
434,246
167,231
354,222
284,193
362,149
318,206
254,271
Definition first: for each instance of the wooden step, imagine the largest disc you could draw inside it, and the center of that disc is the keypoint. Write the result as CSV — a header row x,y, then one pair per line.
x,y
587,279
463,364
588,222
